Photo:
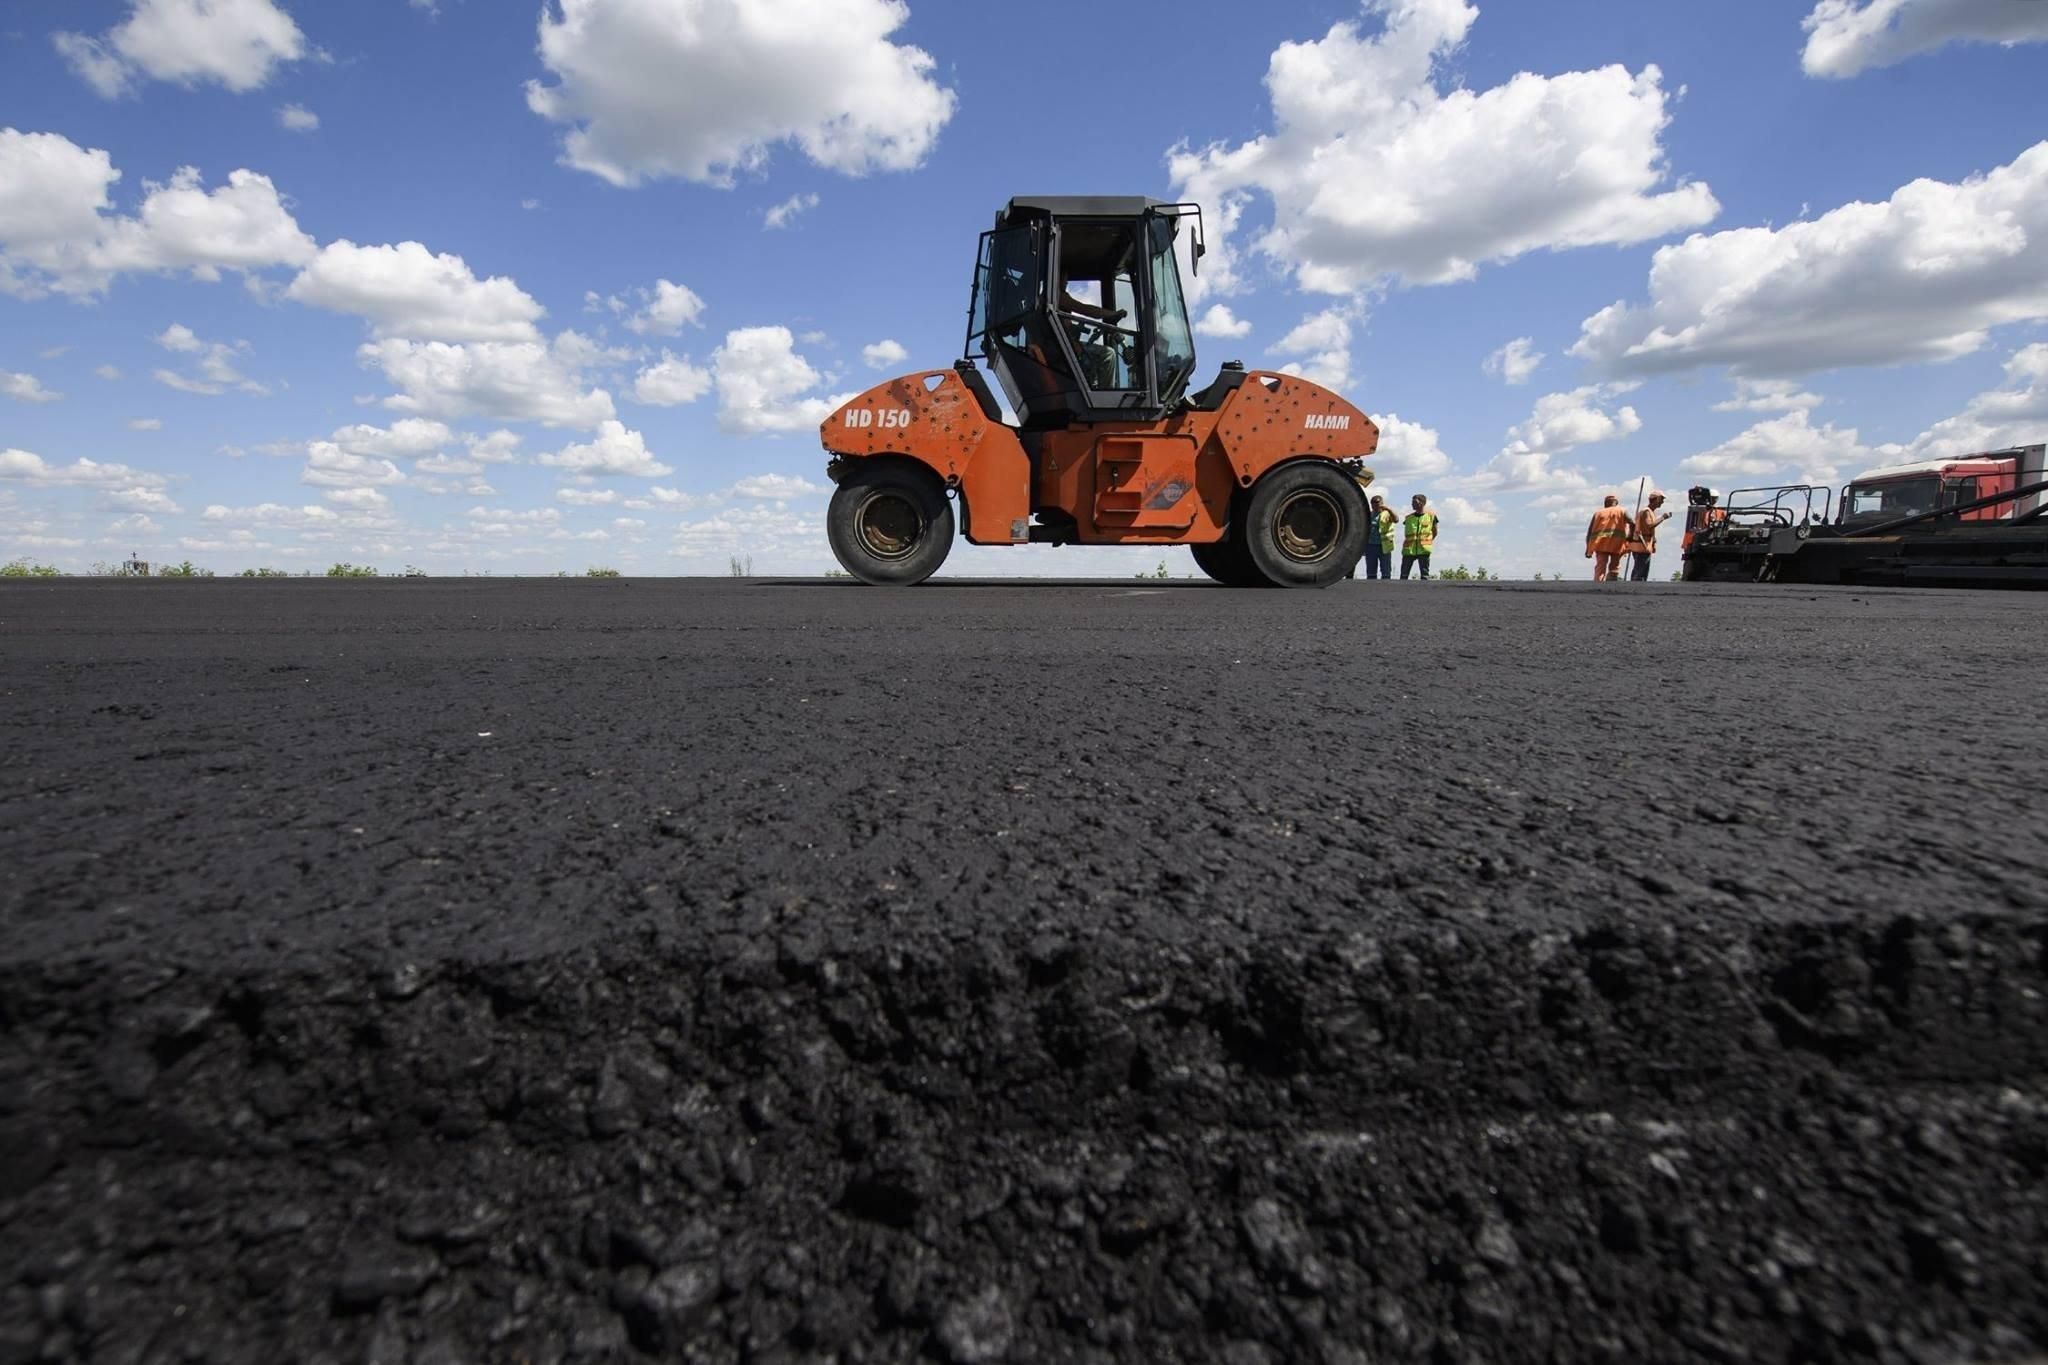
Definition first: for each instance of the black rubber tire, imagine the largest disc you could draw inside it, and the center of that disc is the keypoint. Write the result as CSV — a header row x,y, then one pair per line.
x,y
1304,525
1225,561
890,523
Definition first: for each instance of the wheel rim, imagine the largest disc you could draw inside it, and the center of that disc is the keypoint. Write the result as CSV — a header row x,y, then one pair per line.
x,y
1308,526
890,526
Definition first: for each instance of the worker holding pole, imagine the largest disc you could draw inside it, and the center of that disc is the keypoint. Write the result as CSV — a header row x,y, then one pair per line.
x,y
1645,542
1635,544
1606,537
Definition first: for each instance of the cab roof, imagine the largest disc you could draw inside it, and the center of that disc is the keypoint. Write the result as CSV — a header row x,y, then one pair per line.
x,y
1080,206
1943,466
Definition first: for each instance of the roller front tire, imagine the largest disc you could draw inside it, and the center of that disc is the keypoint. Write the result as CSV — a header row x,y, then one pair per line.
x,y
890,523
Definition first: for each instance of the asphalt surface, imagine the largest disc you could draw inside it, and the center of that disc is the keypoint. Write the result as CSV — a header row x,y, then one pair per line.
x,y
478,970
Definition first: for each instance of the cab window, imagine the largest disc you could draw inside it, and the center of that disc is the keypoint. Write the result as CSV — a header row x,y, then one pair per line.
x,y
1097,303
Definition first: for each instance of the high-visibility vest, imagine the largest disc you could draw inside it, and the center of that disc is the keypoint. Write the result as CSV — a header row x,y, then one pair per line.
x,y
1697,521
1385,530
1609,532
1418,533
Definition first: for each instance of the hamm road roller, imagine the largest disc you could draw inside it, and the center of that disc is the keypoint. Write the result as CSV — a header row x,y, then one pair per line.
x,y
1077,310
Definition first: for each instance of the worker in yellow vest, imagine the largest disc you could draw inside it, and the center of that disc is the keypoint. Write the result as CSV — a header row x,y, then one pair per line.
x,y
1379,541
1607,536
1418,536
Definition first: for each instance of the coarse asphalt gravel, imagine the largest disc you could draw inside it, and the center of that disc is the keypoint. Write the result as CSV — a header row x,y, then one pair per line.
x,y
477,970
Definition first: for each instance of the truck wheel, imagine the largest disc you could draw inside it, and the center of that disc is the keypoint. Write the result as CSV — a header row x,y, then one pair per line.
x,y
1304,525
890,523
1225,561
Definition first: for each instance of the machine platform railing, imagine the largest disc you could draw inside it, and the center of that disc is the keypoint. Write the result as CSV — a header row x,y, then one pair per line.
x,y
1790,504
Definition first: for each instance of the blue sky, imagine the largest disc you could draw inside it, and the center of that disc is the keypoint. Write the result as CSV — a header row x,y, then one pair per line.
x,y
489,288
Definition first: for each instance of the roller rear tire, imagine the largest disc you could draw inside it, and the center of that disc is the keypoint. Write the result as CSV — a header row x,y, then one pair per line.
x,y
890,523
1227,562
1305,525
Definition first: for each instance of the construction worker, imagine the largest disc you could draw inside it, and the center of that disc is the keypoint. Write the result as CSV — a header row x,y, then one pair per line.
x,y
1418,535
1379,541
1645,542
1606,538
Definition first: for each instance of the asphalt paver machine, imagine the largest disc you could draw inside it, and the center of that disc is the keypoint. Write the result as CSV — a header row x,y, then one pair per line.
x,y
1078,312
1967,521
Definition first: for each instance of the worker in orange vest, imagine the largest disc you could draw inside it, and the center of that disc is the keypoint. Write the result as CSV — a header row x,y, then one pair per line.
x,y
1607,539
1643,543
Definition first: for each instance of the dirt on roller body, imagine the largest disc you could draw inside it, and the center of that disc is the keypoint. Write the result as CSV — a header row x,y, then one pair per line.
x,y
474,971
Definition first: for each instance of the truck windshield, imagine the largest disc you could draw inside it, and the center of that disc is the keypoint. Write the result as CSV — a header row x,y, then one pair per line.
x,y
1894,497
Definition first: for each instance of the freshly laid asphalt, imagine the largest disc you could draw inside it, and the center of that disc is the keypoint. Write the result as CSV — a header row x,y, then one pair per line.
x,y
566,969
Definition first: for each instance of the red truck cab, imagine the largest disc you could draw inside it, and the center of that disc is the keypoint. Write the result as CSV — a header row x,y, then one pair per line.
x,y
1904,490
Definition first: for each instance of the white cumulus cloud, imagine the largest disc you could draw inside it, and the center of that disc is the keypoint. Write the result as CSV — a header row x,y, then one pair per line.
x,y
1323,340
1923,276
1381,169
1558,424
25,388
235,43
1407,450
671,381
615,450
1846,37
1219,321
785,213
407,291
703,89
56,233
330,466
1786,446
764,386
217,362
406,439
505,381
32,468
1465,512
667,310
775,487
297,118
2014,415
884,354
310,517
1514,362
1767,395
142,498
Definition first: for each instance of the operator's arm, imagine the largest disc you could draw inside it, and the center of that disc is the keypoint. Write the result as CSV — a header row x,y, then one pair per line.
x,y
1073,305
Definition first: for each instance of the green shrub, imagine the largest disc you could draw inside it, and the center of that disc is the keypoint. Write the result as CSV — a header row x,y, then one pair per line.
x,y
265,573
22,568
599,571
185,570
352,571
